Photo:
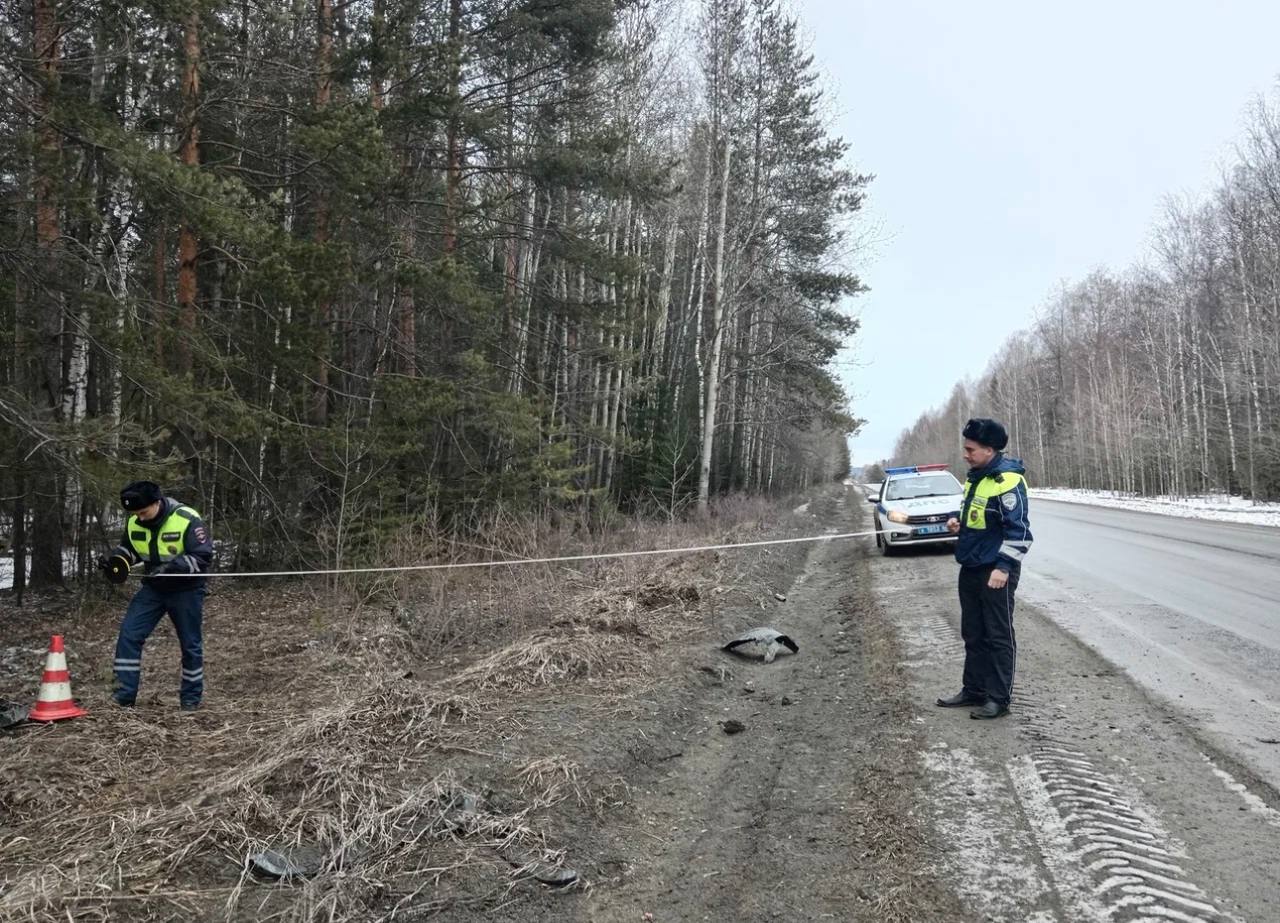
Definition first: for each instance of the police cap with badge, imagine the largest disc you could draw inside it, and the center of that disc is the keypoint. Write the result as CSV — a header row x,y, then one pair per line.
x,y
134,496
137,495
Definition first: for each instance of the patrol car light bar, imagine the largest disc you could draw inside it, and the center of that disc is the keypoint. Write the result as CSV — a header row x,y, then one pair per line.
x,y
914,469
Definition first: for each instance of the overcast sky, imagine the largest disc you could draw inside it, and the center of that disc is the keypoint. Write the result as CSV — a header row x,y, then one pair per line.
x,y
1015,146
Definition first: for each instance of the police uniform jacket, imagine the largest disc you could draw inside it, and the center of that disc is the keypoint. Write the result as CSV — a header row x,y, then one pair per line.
x,y
993,517
176,542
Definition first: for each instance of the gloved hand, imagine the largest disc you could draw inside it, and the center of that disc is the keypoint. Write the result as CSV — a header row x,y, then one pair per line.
x,y
114,567
176,567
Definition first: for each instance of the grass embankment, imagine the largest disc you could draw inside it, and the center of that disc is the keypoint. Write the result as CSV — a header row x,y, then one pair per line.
x,y
384,726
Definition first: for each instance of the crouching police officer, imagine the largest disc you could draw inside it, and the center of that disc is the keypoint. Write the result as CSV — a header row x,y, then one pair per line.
x,y
174,547
993,536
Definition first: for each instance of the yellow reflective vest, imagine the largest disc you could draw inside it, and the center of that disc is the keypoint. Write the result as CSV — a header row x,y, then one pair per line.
x,y
994,528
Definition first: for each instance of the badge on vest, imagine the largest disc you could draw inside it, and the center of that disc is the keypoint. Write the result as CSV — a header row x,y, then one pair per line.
x,y
1010,500
170,536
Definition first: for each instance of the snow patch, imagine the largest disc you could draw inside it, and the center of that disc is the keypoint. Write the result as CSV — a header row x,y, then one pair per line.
x,y
1221,507
1012,888
1056,847
1256,804
6,567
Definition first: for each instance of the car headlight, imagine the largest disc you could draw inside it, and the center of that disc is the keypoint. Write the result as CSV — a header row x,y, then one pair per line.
x,y
897,516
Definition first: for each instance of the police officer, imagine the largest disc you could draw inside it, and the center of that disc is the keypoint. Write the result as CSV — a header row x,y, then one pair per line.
x,y
993,536
174,547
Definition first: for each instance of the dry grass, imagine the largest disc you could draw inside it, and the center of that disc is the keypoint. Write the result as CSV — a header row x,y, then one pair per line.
x,y
546,780
547,659
894,836
362,782
362,726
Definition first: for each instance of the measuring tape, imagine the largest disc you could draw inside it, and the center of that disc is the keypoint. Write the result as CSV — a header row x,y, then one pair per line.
x,y
513,562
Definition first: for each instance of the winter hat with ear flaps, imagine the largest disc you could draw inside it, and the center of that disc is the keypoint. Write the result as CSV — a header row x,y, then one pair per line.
x,y
138,495
987,432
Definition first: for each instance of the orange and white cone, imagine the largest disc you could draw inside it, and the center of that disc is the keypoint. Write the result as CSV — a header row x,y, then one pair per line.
x,y
54,702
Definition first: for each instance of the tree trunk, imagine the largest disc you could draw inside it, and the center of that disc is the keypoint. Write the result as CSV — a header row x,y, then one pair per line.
x,y
406,351
453,131
19,537
377,93
47,302
658,353
319,410
159,291
190,156
697,296
717,340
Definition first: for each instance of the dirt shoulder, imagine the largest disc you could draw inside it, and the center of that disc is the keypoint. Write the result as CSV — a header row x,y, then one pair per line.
x,y
810,811
550,747
1090,801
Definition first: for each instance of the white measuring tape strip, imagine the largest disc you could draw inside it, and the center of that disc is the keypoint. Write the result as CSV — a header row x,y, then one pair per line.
x,y
516,561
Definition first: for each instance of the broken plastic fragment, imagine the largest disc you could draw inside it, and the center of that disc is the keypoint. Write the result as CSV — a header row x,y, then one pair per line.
x,y
11,714
294,862
537,869
764,641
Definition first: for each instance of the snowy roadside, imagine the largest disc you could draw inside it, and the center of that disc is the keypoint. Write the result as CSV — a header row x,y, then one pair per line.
x,y
1221,507
6,567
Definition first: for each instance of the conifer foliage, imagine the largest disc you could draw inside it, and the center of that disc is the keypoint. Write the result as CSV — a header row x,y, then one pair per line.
x,y
326,269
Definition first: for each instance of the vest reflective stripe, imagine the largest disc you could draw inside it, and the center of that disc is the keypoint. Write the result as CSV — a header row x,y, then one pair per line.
x,y
166,548
976,506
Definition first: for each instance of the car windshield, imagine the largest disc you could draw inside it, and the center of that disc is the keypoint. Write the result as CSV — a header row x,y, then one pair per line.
x,y
941,484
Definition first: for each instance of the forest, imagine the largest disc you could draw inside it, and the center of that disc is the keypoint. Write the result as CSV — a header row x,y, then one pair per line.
x,y
346,275
1159,379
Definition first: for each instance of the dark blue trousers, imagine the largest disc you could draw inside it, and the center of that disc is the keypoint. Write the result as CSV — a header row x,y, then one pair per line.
x,y
986,624
185,609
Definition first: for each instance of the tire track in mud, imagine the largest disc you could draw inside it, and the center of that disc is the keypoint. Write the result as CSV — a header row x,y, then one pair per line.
x,y
805,813
1109,857
1101,841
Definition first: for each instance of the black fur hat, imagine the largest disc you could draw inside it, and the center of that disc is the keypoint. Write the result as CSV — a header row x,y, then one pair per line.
x,y
139,494
988,432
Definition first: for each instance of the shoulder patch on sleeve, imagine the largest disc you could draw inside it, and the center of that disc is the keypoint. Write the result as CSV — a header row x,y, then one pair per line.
x,y
200,535
1010,500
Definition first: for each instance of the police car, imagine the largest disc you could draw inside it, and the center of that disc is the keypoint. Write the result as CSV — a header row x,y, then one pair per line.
x,y
913,506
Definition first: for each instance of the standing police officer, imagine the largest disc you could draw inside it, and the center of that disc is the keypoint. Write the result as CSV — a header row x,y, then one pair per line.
x,y
174,546
993,536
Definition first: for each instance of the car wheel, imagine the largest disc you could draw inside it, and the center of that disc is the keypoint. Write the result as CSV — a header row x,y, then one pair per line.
x,y
879,537
886,548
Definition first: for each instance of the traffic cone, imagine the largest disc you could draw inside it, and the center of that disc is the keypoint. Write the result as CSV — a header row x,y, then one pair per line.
x,y
54,702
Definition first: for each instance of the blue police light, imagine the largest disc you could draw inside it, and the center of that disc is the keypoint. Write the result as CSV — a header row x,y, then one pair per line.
x,y
908,469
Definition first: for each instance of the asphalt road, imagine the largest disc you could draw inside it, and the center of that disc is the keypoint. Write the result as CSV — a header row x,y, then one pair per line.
x,y
1189,608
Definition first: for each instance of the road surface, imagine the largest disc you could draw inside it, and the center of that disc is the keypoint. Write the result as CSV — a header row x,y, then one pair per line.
x,y
1132,780
1189,608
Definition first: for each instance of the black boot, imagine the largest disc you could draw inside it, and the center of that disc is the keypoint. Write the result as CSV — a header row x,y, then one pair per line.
x,y
961,699
990,709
